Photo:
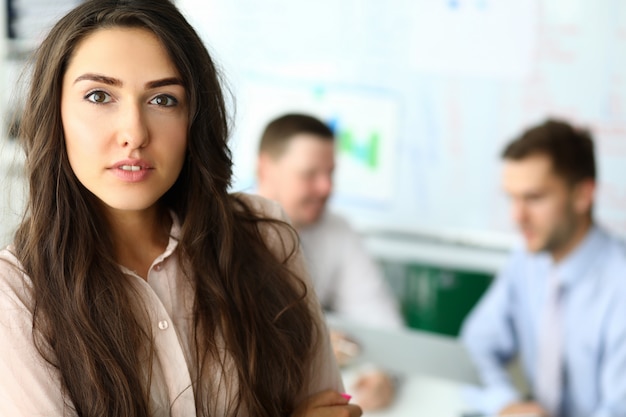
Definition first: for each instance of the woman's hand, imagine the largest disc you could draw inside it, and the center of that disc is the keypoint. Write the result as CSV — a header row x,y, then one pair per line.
x,y
327,404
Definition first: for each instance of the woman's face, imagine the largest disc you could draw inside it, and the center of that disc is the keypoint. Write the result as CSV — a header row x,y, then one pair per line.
x,y
125,118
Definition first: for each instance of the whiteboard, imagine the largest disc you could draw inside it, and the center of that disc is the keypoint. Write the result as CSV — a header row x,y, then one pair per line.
x,y
430,90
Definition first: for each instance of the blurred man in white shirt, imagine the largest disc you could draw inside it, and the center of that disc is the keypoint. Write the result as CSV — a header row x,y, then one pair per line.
x,y
295,168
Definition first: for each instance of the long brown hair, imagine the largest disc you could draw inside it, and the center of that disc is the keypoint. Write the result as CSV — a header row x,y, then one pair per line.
x,y
245,294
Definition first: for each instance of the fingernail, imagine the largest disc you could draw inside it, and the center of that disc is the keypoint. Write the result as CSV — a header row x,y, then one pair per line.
x,y
346,396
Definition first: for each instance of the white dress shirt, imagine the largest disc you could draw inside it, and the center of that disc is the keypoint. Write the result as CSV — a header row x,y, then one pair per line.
x,y
347,280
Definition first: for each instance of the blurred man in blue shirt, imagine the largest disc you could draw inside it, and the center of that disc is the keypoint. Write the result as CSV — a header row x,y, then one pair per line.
x,y
560,301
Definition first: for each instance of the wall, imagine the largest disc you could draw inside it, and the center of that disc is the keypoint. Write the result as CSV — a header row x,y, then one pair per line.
x,y
26,21
429,90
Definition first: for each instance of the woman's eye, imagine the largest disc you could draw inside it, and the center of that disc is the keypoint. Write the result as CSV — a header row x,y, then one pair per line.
x,y
98,97
164,100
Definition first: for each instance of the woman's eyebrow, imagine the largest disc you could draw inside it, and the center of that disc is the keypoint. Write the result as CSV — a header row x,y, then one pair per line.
x,y
164,82
99,78
118,83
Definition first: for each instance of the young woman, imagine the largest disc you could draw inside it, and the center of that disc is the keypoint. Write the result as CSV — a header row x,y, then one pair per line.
x,y
136,285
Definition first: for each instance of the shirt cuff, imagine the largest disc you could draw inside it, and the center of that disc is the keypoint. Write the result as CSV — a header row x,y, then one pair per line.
x,y
490,400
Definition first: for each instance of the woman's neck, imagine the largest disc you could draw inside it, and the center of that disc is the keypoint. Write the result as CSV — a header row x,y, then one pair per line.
x,y
139,237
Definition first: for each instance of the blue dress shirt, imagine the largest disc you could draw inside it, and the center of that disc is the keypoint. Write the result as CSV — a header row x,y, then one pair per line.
x,y
506,323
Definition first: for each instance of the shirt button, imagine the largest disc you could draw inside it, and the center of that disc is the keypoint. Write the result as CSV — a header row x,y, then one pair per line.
x,y
163,325
158,267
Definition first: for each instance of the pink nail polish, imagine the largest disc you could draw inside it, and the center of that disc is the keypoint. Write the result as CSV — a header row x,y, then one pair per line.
x,y
346,396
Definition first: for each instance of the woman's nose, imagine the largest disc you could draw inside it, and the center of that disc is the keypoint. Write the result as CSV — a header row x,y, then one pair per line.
x,y
133,130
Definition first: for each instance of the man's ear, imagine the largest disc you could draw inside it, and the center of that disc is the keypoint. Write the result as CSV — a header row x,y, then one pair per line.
x,y
584,194
265,167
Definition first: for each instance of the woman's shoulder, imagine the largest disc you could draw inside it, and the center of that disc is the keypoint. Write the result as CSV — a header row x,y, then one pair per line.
x,y
15,285
279,236
261,206
10,267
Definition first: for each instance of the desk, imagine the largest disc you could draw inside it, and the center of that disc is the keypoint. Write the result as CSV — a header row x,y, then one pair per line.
x,y
410,352
434,369
420,396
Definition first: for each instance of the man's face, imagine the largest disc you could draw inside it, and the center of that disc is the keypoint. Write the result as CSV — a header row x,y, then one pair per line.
x,y
301,178
545,207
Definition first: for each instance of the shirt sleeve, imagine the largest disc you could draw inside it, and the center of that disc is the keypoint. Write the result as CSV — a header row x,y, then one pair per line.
x,y
323,369
29,385
613,367
362,293
489,337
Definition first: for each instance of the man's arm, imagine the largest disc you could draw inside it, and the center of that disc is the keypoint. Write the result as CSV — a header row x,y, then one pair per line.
x,y
362,294
613,366
489,336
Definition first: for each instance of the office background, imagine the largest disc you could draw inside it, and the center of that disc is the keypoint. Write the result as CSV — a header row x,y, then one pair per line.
x,y
422,95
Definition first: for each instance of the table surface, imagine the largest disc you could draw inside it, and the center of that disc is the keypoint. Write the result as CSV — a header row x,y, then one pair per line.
x,y
434,370
419,395
411,352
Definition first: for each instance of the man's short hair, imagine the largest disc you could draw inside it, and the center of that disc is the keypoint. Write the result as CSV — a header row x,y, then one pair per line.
x,y
281,130
570,149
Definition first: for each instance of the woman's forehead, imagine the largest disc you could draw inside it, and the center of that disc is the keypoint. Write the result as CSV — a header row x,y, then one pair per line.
x,y
122,52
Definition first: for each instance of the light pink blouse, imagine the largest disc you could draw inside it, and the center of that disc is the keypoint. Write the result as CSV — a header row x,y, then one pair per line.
x,y
30,387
